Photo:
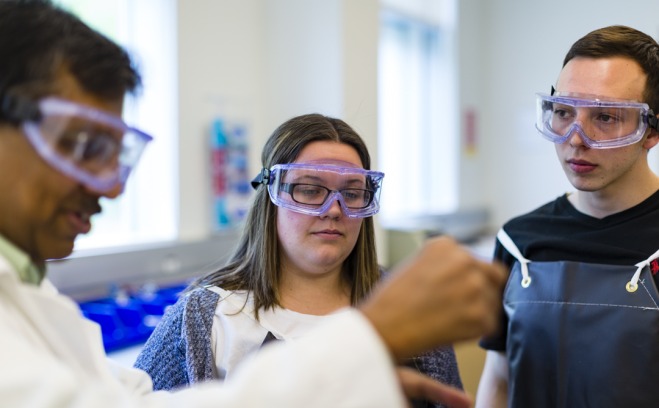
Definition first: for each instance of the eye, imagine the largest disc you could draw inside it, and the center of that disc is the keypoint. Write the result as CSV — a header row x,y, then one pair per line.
x,y
309,190
83,146
562,113
358,195
68,142
607,118
101,147
353,194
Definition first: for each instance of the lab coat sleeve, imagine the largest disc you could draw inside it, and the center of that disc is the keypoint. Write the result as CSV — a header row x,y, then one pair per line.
x,y
343,364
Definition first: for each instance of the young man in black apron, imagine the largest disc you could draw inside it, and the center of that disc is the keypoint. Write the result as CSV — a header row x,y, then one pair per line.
x,y
581,321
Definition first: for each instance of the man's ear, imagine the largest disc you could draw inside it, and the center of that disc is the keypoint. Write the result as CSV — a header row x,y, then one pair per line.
x,y
652,139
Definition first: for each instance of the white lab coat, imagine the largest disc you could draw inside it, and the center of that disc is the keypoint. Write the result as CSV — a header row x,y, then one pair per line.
x,y
50,356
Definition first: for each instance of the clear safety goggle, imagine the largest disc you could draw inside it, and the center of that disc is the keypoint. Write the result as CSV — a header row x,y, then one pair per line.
x,y
89,145
312,188
601,124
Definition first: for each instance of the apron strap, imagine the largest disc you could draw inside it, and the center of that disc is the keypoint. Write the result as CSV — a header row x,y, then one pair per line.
x,y
510,246
632,285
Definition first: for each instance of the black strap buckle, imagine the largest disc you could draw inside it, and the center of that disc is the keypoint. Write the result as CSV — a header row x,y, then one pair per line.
x,y
17,109
262,178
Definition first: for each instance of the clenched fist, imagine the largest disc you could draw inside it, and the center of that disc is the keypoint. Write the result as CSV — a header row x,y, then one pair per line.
x,y
441,295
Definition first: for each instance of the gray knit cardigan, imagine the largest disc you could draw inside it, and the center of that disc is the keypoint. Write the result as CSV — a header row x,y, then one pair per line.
x,y
178,353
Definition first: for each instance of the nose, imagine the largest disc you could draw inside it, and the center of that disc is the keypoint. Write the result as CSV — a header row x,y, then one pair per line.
x,y
574,139
334,211
576,136
114,192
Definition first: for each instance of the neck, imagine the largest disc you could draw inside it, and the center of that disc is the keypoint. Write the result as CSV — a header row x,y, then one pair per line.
x,y
315,295
602,203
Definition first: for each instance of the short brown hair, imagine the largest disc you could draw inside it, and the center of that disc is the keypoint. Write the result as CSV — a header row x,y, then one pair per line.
x,y
622,41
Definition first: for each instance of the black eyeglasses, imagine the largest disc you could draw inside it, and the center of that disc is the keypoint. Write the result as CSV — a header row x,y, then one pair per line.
x,y
312,194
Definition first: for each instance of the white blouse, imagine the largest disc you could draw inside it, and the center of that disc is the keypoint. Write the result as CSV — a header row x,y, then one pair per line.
x,y
236,333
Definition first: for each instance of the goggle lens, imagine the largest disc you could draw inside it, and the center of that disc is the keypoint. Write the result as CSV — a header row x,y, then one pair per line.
x,y
315,195
312,188
602,124
89,145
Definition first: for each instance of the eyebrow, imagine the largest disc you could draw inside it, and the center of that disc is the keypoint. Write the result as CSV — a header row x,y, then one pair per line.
x,y
316,179
78,123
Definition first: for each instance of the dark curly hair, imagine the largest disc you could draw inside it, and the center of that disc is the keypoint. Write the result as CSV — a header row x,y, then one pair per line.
x,y
38,39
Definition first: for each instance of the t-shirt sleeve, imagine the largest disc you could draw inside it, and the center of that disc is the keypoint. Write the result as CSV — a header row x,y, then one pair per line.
x,y
497,341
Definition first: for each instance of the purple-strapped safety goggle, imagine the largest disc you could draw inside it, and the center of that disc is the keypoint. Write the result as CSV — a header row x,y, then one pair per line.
x,y
601,123
94,147
312,188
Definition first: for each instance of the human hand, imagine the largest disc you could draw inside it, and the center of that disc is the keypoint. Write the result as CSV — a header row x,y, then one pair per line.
x,y
418,386
441,295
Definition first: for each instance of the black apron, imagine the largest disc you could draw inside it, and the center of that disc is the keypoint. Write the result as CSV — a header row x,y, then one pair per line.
x,y
581,334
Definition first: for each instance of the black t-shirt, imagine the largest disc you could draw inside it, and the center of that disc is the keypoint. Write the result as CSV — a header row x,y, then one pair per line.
x,y
558,232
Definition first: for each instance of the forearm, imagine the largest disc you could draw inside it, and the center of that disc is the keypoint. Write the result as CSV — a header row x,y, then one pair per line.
x,y
493,386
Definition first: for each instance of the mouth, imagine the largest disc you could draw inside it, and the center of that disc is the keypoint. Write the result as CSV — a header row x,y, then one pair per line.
x,y
80,220
329,233
580,166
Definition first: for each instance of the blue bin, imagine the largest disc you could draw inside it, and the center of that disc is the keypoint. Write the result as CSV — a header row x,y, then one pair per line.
x,y
127,321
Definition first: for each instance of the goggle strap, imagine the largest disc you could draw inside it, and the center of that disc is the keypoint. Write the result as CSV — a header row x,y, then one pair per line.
x,y
262,178
17,109
653,121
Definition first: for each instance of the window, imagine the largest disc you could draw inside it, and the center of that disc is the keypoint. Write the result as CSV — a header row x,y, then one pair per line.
x,y
418,142
146,212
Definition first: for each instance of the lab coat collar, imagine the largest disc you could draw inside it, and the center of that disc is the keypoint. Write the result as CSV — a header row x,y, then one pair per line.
x,y
20,261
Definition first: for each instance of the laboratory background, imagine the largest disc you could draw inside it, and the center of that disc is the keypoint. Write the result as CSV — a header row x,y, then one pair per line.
x,y
441,90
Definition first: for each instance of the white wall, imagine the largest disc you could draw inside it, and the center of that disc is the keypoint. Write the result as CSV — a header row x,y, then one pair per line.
x,y
470,34
268,60
265,61
221,57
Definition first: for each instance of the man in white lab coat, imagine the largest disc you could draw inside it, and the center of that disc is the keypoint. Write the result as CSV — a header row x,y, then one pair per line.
x,y
63,146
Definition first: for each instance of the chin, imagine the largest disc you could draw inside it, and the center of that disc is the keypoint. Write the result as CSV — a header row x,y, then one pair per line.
x,y
586,187
59,251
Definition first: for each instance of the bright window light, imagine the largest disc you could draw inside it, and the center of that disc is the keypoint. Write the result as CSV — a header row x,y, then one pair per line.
x,y
147,211
417,142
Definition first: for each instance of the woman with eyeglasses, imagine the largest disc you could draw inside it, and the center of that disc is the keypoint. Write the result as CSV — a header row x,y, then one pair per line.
x,y
306,254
